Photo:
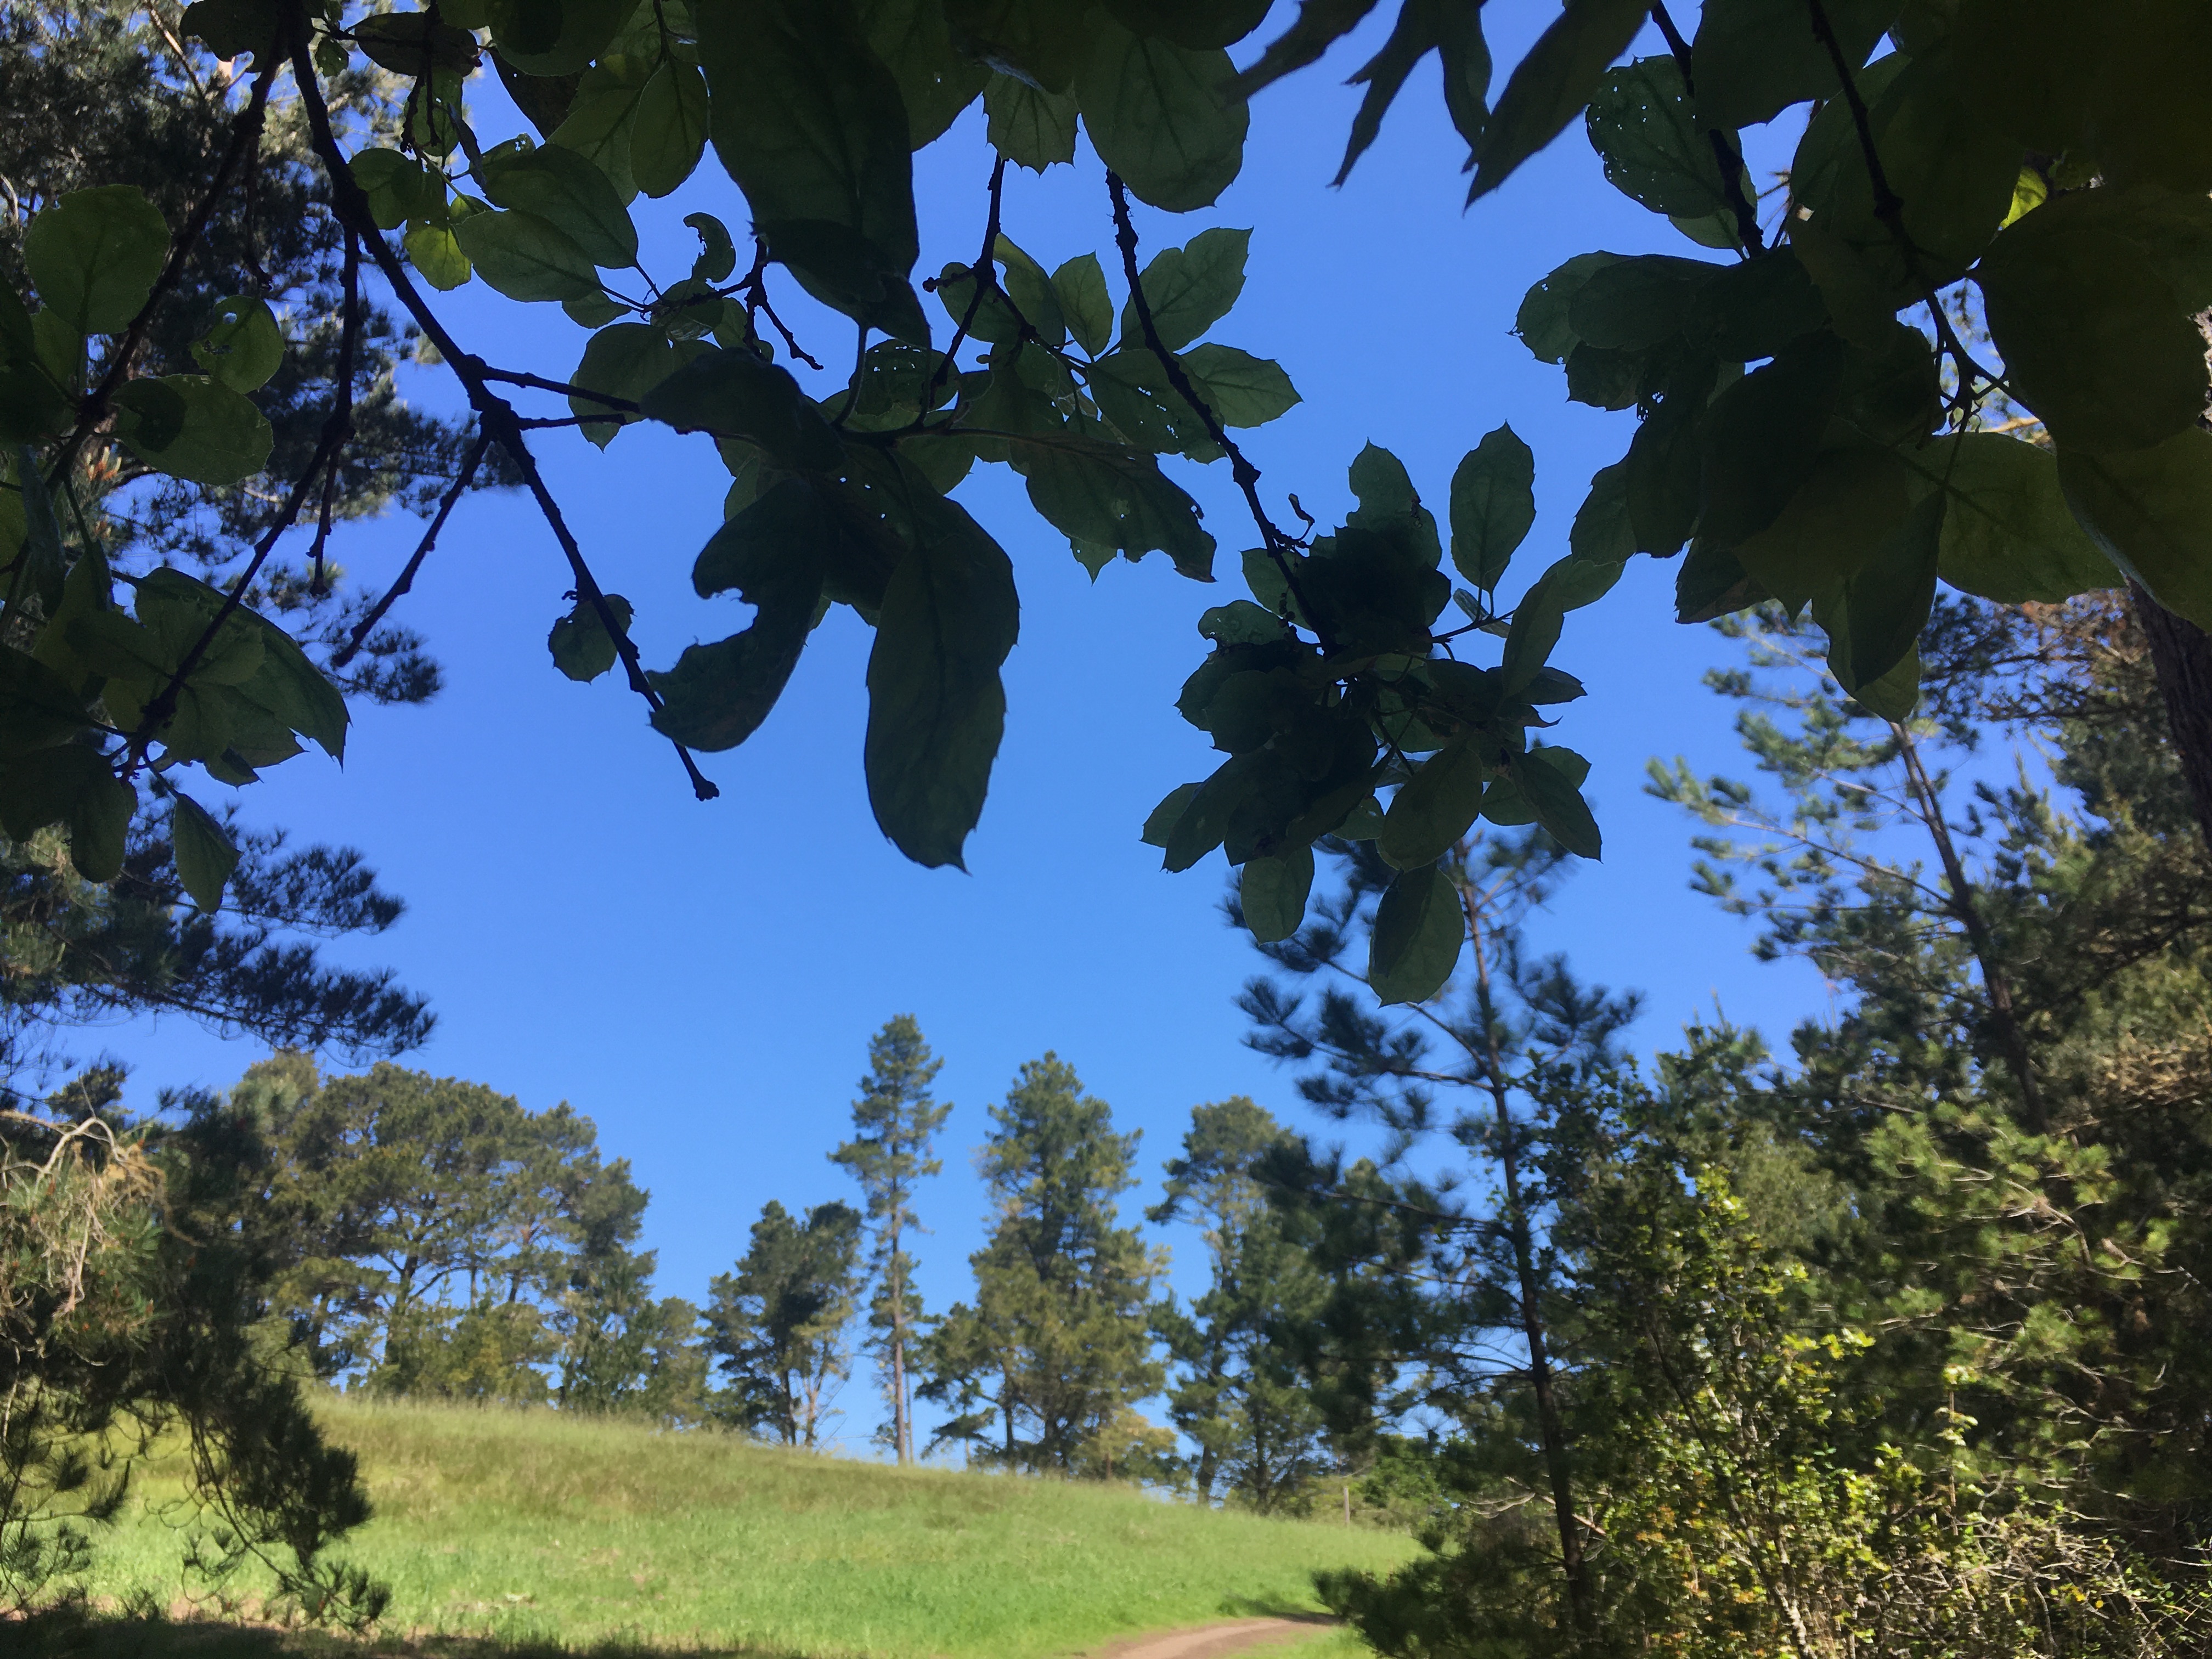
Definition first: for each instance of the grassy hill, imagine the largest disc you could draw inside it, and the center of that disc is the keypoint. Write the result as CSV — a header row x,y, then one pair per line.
x,y
530,1528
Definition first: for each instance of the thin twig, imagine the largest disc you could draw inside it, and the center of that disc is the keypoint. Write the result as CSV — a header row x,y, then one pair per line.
x,y
495,416
340,427
453,497
538,382
1725,150
1279,545
245,132
754,286
982,275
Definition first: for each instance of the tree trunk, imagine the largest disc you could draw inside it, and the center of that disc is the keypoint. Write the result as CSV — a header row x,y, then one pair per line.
x,y
2181,654
1548,1421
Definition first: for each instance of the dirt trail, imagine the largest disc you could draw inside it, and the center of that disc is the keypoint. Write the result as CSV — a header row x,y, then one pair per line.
x,y
1211,1641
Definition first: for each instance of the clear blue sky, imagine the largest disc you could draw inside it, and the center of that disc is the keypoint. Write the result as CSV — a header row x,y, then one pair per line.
x,y
701,980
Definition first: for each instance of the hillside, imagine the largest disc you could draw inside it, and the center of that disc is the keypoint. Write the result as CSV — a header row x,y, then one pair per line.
x,y
530,1528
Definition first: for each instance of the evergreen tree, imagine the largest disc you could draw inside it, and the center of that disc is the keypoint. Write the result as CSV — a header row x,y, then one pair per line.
x,y
1043,1368
894,1121
777,1325
1241,1397
1470,1068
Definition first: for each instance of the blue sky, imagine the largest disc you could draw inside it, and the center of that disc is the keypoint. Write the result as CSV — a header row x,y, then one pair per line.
x,y
701,980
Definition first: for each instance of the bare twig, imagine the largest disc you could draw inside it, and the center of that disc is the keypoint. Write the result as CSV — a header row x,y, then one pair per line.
x,y
754,286
538,382
406,580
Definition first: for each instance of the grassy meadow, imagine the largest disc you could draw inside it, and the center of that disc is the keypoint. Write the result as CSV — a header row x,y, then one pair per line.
x,y
522,1531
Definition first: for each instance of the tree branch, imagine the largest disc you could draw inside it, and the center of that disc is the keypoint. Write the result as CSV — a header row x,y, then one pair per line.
x,y
406,580
495,415
1725,150
244,130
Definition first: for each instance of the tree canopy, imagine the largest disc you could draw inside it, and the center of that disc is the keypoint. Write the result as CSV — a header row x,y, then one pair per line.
x,y
1961,352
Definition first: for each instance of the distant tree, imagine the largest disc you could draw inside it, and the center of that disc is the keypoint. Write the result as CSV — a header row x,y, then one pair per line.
x,y
1241,1396
421,1211
1059,1345
777,1324
894,1120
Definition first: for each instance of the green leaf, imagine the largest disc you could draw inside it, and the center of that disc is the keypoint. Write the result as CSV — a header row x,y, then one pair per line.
x,y
1201,25
1157,115
808,120
1711,583
1493,503
1417,34
1761,435
1028,126
581,646
1382,486
568,191
602,120
43,787
1542,320
1435,807
399,187
734,394
1643,125
1552,84
1189,288
1116,499
1550,781
2007,533
1418,930
623,360
1568,586
1849,504
1753,58
94,255
1753,309
1080,286
435,253
1884,603
100,828
1632,305
1602,533
583,31
1661,476
936,706
1271,892
37,706
205,854
194,427
1032,292
1240,621
414,44
1320,24
231,29
2095,339
525,256
1038,41
1241,389
244,347
670,133
1163,817
769,554
843,269
35,536
2150,512
936,80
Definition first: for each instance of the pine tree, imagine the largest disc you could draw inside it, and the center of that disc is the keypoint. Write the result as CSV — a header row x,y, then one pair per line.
x,y
1241,1398
777,1324
1043,1368
894,1120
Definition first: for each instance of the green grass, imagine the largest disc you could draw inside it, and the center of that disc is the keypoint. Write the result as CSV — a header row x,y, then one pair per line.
x,y
531,1530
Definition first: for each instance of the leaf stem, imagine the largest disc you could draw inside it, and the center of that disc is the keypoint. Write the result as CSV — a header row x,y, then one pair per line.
x,y
1726,151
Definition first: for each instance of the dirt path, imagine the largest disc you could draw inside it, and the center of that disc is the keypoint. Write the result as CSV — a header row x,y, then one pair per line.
x,y
1211,1641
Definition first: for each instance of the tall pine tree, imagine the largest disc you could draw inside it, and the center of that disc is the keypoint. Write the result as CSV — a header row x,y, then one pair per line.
x,y
1042,1370
894,1121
